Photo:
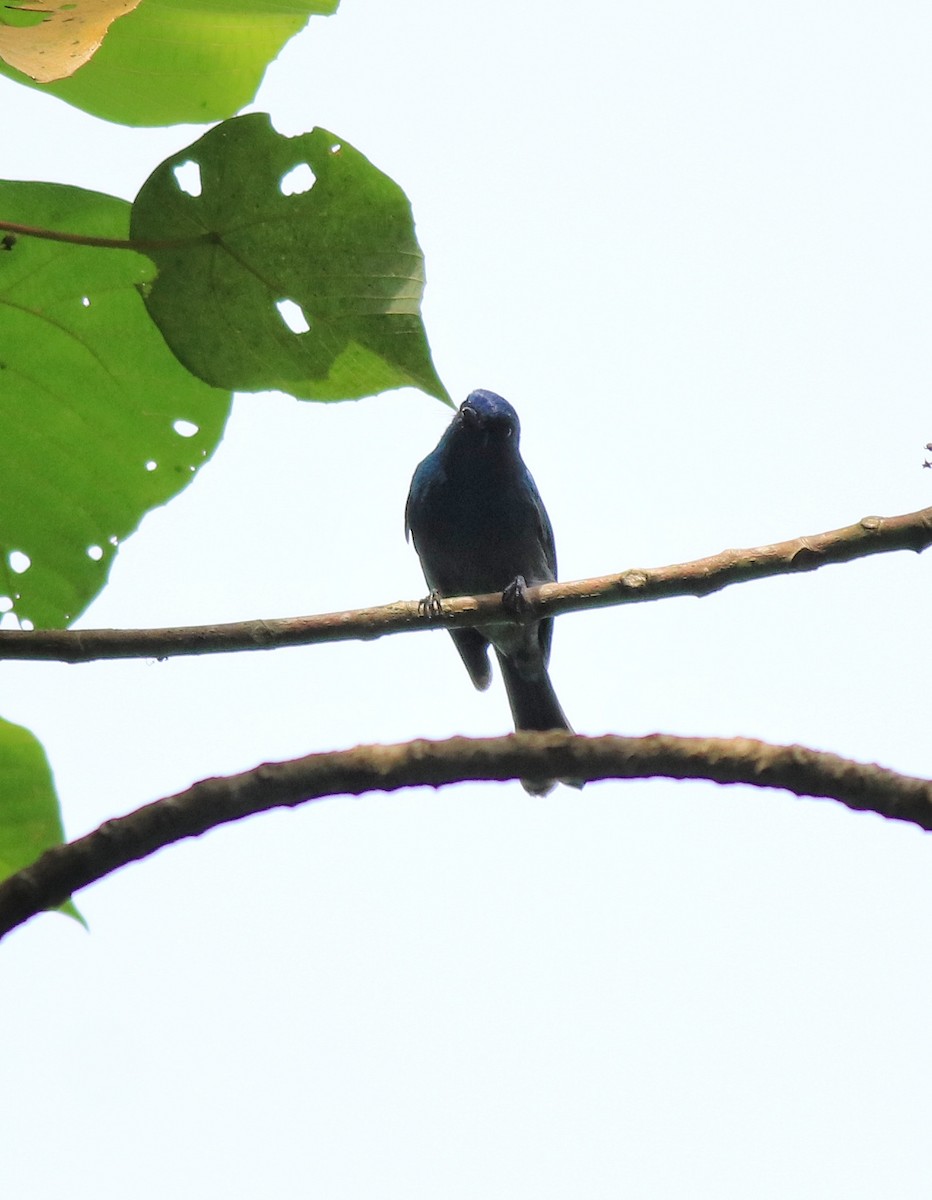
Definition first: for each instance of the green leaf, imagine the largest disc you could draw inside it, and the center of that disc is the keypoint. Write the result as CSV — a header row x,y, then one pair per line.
x,y
172,61
20,20
90,404
30,816
343,252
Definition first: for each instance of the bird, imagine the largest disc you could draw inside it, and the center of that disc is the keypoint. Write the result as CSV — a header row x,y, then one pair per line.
x,y
479,525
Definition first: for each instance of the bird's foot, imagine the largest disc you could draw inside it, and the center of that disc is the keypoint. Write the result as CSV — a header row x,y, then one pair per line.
x,y
514,597
431,606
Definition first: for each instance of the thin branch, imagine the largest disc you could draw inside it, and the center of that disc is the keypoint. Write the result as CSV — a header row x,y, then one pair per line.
x,y
102,243
66,869
872,535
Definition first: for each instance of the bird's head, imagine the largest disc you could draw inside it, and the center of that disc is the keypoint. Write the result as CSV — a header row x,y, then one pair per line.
x,y
489,419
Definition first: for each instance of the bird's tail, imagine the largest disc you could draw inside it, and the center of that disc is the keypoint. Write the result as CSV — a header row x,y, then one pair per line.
x,y
534,703
534,706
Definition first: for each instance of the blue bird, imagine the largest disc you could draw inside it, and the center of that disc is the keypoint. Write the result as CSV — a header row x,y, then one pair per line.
x,y
479,525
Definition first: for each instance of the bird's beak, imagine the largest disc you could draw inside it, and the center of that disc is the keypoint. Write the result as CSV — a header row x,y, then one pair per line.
x,y
470,416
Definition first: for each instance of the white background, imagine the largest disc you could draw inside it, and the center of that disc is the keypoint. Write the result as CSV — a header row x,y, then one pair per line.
x,y
692,243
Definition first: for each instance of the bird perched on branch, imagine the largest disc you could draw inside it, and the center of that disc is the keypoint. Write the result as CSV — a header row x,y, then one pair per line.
x,y
479,525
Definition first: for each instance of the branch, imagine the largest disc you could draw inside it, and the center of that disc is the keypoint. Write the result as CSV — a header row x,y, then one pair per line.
x,y
872,535
212,802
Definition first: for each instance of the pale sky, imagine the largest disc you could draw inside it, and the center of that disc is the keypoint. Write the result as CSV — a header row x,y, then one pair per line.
x,y
692,245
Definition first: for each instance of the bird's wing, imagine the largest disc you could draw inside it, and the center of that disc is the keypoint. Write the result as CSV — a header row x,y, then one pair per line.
x,y
408,503
545,530
474,651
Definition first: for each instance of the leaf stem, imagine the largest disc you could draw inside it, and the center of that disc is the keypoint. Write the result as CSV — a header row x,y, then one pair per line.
x,y
103,243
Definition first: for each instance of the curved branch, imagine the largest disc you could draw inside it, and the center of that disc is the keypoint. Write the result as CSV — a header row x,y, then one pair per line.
x,y
871,535
212,802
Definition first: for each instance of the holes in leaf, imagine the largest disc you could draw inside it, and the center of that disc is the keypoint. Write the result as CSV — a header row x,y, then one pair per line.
x,y
18,561
293,316
6,604
298,180
95,553
185,429
151,464
336,148
26,624
188,177
86,301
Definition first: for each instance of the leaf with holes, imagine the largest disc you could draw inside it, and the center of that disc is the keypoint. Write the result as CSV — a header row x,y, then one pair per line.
x,y
100,422
300,271
30,816
172,61
56,39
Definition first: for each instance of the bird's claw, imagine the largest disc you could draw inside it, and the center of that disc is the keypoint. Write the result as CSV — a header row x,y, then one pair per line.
x,y
430,606
514,597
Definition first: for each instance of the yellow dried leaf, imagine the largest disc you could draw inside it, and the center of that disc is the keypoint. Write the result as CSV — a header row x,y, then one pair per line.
x,y
64,36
